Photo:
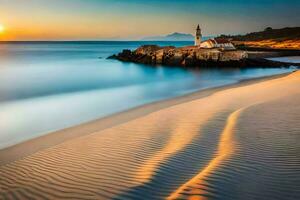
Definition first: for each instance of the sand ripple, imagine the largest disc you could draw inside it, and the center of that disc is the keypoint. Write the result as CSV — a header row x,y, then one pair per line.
x,y
226,148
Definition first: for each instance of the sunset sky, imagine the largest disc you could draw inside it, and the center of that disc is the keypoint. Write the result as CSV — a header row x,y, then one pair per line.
x,y
135,19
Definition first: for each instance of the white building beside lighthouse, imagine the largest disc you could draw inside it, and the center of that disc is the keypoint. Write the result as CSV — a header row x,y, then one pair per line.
x,y
212,43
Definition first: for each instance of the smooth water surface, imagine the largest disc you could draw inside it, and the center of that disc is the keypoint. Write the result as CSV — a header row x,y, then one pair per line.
x,y
291,59
48,86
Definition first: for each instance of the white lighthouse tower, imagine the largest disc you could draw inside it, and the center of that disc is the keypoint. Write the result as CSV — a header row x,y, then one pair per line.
x,y
198,36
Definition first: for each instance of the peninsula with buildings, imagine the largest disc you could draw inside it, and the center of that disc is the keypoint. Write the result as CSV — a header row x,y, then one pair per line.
x,y
214,52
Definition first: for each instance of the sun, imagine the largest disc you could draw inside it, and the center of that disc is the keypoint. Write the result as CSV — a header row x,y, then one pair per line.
x,y
2,28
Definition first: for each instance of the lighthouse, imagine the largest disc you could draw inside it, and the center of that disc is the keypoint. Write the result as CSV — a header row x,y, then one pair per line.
x,y
198,36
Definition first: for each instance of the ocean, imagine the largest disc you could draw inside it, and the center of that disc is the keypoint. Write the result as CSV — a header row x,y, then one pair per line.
x,y
49,86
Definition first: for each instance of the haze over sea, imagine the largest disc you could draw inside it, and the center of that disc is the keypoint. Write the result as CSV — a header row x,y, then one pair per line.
x,y
48,86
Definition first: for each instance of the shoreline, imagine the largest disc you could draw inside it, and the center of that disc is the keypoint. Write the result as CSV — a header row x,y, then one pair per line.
x,y
21,150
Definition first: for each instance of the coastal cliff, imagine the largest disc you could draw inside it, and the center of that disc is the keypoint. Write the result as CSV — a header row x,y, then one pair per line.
x,y
192,56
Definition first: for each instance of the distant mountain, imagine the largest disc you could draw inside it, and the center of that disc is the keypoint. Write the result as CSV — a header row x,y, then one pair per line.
x,y
172,37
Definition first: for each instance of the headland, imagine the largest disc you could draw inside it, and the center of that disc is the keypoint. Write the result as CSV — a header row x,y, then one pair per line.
x,y
250,50
193,56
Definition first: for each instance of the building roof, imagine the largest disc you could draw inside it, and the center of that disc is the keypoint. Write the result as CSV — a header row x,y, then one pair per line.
x,y
222,40
212,41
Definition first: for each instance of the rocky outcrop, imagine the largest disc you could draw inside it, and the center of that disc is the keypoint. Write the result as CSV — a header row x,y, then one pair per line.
x,y
193,57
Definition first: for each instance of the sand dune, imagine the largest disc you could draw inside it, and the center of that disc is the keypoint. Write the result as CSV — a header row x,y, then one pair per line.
x,y
226,147
145,158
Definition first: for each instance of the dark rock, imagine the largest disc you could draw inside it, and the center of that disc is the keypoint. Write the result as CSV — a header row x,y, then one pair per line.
x,y
194,57
112,57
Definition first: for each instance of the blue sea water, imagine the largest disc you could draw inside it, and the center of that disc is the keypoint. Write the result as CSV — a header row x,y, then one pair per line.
x,y
48,86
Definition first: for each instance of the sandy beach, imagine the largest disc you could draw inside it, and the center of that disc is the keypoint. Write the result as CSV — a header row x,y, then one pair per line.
x,y
242,136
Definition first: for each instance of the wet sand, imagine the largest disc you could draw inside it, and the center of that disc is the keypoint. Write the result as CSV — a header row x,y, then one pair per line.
x,y
220,144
